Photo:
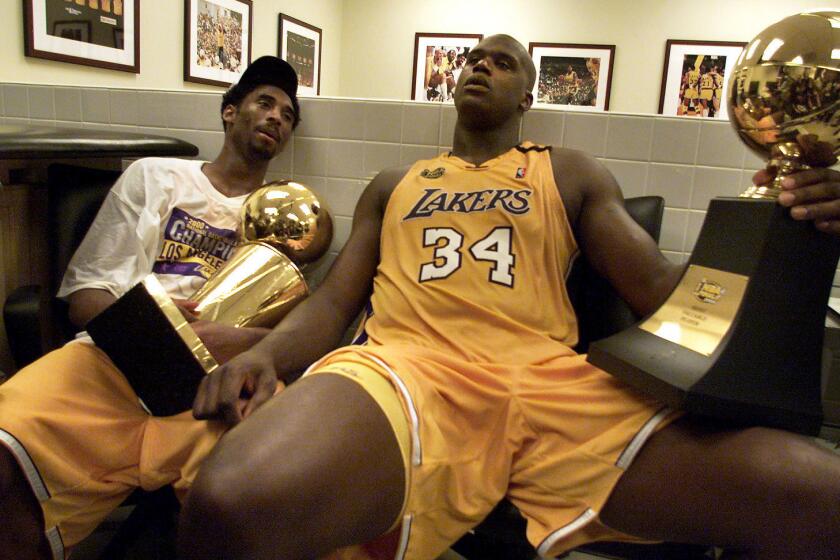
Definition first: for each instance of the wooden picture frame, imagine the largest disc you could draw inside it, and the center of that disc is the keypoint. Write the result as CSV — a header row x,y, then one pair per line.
x,y
217,40
695,77
100,33
438,58
299,44
573,76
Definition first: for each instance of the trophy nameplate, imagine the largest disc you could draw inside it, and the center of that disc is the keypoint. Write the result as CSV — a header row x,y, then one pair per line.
x,y
700,310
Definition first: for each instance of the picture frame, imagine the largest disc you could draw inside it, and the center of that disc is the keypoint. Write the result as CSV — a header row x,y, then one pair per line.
x,y
100,33
217,40
695,77
438,58
299,44
573,76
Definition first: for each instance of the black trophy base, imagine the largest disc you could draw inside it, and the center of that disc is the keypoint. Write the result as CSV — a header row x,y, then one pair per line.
x,y
146,347
765,369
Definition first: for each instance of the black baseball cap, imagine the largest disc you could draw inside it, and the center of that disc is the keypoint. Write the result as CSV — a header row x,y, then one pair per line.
x,y
266,70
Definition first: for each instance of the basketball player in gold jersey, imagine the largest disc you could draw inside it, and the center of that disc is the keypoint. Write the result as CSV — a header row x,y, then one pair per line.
x,y
467,390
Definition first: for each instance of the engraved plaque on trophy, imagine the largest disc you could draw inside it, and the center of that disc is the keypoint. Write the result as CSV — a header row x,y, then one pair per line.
x,y
740,337
151,342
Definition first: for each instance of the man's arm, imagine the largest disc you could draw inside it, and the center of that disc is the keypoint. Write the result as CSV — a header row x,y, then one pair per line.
x,y
620,250
312,328
87,303
613,243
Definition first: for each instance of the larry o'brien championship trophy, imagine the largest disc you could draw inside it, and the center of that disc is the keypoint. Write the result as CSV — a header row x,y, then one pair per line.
x,y
150,341
740,338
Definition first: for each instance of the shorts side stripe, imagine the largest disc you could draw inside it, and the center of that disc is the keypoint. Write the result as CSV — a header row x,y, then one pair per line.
x,y
416,452
635,445
33,477
56,544
30,471
564,532
405,532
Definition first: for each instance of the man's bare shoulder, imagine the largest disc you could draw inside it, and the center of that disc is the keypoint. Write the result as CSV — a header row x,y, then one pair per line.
x,y
386,180
576,161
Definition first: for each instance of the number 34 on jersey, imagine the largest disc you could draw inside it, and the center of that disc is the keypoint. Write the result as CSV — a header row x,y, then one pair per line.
x,y
449,250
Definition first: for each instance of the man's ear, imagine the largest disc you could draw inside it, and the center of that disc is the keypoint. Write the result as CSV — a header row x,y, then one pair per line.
x,y
229,113
526,102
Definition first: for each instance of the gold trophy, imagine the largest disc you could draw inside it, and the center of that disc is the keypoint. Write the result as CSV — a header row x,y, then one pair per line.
x,y
740,338
283,225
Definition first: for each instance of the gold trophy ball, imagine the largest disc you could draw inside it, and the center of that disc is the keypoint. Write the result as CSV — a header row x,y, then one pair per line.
x,y
288,216
783,95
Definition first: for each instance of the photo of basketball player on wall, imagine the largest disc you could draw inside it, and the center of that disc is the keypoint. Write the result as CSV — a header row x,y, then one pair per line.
x,y
572,76
568,80
695,77
439,59
701,85
219,40
443,66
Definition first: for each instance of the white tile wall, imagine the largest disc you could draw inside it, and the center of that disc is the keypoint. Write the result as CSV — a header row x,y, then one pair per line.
x,y
68,104
544,127
629,137
421,124
41,102
16,101
671,182
124,107
586,132
383,122
342,143
675,140
347,120
96,106
315,118
631,175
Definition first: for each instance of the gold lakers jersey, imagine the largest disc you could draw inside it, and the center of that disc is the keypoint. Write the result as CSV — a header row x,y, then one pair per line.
x,y
474,261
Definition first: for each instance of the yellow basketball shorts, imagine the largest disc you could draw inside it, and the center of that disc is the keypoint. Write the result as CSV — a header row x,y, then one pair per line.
x,y
85,443
554,439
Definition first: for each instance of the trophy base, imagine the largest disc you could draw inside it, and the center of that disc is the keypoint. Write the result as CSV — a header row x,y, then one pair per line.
x,y
151,343
740,338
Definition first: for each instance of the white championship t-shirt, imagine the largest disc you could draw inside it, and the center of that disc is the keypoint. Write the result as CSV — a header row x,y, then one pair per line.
x,y
164,216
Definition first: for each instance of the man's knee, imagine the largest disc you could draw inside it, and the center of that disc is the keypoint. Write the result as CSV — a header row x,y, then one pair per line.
x,y
22,529
12,480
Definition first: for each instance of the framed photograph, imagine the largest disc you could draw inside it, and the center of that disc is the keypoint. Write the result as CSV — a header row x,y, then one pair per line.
x,y
102,33
438,60
217,40
573,76
695,77
299,44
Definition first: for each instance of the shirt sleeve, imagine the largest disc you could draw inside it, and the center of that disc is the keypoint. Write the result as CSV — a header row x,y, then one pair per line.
x,y
120,247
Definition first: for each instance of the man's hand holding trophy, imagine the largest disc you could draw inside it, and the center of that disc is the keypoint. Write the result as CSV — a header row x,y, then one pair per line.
x,y
149,337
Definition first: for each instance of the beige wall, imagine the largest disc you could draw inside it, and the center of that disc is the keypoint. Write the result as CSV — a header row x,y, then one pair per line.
x,y
378,38
162,46
368,44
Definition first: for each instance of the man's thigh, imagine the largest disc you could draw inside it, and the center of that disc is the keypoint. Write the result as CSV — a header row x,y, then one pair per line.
x,y
755,487
315,468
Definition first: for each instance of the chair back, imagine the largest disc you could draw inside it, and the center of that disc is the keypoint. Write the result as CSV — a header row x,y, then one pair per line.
x,y
36,321
75,195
